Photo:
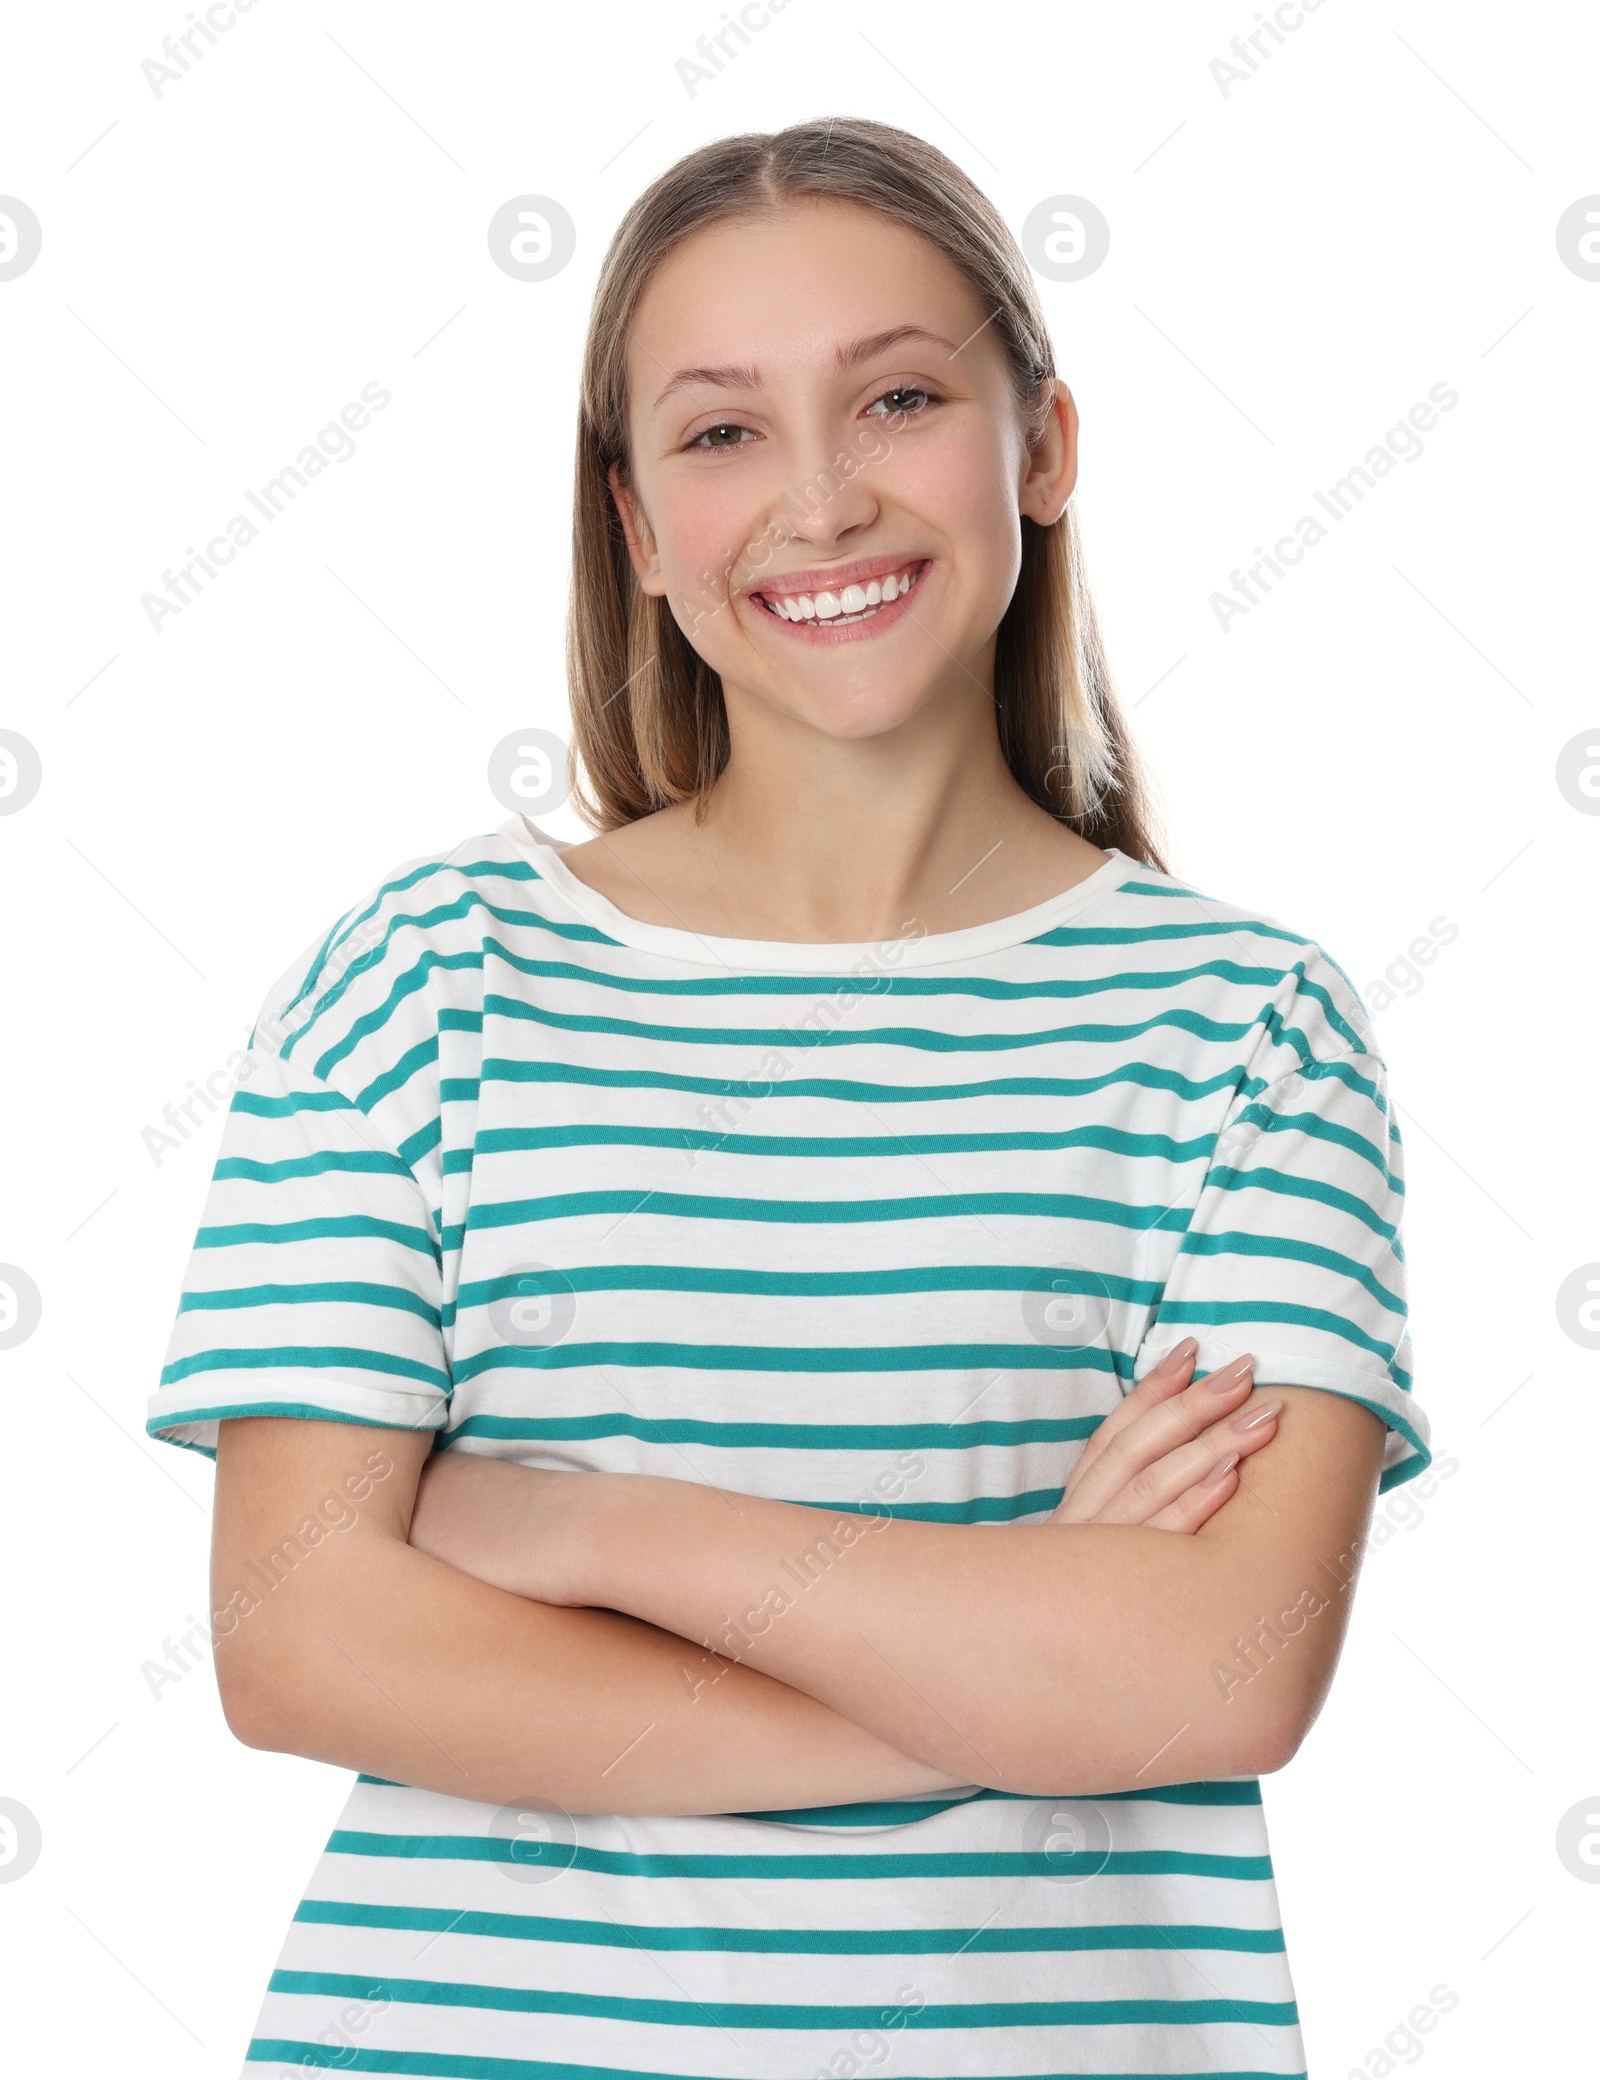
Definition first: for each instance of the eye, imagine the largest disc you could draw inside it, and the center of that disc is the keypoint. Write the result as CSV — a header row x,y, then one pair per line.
x,y
904,400
714,438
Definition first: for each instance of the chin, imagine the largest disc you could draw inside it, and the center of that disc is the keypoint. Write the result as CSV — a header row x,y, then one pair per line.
x,y
851,716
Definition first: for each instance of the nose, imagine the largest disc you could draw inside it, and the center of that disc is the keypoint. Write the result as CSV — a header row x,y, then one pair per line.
x,y
831,501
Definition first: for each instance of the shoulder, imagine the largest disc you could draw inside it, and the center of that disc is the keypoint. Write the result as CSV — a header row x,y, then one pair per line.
x,y
1278,990
400,961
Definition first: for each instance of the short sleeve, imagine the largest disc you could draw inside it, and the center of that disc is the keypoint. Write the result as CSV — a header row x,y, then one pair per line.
x,y
314,1287
1294,1251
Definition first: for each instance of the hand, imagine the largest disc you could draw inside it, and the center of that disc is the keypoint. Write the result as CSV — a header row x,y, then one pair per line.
x,y
517,1527
1168,1455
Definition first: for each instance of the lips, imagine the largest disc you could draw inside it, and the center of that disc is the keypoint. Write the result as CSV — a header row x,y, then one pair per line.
x,y
843,596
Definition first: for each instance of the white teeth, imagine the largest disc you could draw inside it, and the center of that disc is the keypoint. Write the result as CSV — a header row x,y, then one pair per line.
x,y
849,602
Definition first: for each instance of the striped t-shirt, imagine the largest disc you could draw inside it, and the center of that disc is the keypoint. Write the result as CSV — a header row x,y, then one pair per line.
x,y
869,1227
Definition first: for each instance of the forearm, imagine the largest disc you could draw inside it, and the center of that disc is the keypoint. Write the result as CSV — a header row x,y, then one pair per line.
x,y
380,1658
944,1640
1046,1659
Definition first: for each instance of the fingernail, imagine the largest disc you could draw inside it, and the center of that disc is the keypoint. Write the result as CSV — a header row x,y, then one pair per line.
x,y
1230,1375
1220,1471
1176,1356
1257,1418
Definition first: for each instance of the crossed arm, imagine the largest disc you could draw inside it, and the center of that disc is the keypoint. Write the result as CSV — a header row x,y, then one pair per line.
x,y
628,1643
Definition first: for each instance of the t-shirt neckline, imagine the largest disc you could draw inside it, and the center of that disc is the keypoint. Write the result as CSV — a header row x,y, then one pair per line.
x,y
806,956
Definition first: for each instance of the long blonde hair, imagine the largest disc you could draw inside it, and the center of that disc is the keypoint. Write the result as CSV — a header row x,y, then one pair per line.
x,y
649,724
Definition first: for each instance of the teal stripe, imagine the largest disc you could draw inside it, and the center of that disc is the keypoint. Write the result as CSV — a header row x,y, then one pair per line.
x,y
597,1134
452,2065
1271,1242
785,1437
508,870
344,1292
810,1285
713,1206
693,2014
424,1141
343,1227
1145,1075
1355,1066
1406,1469
1236,1243
416,1061
1343,977
404,986
858,1863
884,1813
368,1162
770,1039
260,1106
1212,1313
792,1942
1219,1792
1289,1185
1288,1035
1170,889
461,907
1215,1791
398,884
1266,1178
376,956
886,981
801,1358
305,1357
318,961
1168,932
879,1358
1334,1132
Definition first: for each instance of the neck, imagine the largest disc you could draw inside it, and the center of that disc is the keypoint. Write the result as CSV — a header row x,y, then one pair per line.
x,y
921,828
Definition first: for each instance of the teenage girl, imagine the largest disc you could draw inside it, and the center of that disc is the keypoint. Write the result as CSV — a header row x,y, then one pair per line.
x,y
798,1386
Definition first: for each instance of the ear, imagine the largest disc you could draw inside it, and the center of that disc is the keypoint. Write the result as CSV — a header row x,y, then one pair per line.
x,y
1051,467
642,553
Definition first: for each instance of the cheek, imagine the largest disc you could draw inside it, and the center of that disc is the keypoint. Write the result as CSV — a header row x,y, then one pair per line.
x,y
965,487
704,523
951,472
963,464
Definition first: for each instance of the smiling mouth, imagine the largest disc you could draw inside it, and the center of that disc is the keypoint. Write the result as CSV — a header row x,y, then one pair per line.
x,y
848,604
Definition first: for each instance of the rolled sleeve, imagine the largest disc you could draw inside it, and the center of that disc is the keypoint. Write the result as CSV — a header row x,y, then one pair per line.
x,y
313,1288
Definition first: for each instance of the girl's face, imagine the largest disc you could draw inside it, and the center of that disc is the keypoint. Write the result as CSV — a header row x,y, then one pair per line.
x,y
829,470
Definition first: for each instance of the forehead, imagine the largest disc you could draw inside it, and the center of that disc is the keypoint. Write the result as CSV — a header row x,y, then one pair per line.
x,y
779,292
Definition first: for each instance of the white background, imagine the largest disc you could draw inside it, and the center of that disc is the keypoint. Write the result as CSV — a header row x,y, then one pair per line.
x,y
1292,265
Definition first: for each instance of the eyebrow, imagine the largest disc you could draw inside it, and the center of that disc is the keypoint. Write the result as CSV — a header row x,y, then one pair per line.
x,y
744,375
